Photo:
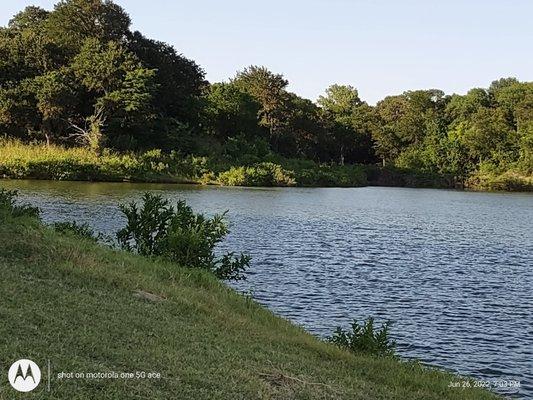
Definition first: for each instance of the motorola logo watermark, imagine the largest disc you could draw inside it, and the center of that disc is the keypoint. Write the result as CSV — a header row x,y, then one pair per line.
x,y
24,375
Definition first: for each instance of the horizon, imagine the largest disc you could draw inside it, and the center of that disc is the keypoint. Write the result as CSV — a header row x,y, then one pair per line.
x,y
381,52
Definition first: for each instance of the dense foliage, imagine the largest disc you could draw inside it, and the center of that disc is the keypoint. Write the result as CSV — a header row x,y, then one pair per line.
x,y
157,228
365,338
20,161
78,76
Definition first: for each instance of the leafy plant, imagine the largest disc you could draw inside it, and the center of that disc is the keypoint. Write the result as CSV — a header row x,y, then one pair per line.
x,y
81,230
365,338
260,174
157,228
8,204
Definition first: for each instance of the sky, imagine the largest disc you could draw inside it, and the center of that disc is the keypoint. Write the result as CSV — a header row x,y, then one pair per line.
x,y
381,47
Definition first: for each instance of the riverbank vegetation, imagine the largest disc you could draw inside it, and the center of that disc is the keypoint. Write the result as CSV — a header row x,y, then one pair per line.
x,y
156,228
365,338
78,76
86,307
35,161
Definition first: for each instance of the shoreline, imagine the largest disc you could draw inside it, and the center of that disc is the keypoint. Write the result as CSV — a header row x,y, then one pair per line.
x,y
95,288
188,182
56,163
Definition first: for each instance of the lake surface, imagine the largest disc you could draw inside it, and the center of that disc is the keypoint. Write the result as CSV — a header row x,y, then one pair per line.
x,y
452,270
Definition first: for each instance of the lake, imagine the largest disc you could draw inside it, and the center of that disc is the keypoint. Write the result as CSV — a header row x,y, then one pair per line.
x,y
451,270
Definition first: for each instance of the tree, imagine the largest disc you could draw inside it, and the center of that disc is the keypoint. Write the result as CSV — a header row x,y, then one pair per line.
x,y
18,116
74,21
460,108
524,124
390,140
405,120
269,90
180,81
350,122
55,93
230,111
101,67
25,50
121,86
511,97
30,18
488,136
304,129
340,102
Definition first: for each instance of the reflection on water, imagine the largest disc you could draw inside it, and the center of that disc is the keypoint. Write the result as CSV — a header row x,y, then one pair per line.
x,y
452,270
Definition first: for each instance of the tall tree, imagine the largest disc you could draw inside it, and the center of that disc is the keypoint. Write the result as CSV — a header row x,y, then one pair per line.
x,y
230,111
180,81
269,90
350,122
74,21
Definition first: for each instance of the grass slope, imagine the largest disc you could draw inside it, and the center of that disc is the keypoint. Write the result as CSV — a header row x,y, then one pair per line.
x,y
74,302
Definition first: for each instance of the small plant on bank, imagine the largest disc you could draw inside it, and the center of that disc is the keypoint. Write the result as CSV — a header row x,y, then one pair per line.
x,y
80,230
365,339
156,228
8,204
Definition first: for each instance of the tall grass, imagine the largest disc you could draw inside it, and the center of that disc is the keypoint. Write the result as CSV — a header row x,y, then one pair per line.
x,y
18,161
36,161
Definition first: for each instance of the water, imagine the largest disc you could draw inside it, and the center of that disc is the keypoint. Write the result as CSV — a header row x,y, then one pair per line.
x,y
452,270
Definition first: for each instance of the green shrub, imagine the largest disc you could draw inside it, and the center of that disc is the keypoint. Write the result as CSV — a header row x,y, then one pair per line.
x,y
260,174
365,339
235,176
156,228
81,230
507,181
8,205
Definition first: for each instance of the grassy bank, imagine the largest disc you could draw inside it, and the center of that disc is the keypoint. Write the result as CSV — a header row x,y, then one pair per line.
x,y
26,161
88,308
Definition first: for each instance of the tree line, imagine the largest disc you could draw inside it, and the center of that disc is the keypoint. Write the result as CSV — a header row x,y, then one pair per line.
x,y
79,76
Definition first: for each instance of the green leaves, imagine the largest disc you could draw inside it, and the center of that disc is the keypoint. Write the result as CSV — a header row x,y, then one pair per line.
x,y
56,94
365,338
180,235
74,21
82,65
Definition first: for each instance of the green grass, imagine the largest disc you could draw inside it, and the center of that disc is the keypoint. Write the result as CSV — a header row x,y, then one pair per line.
x,y
72,301
36,161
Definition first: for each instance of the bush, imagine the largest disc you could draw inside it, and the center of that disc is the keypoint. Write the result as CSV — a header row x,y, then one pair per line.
x,y
81,230
180,235
364,338
8,205
507,181
235,176
260,174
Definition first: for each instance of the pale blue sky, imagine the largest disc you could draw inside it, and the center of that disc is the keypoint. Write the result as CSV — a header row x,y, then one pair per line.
x,y
381,47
